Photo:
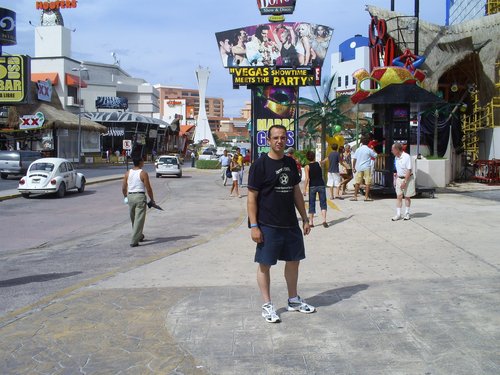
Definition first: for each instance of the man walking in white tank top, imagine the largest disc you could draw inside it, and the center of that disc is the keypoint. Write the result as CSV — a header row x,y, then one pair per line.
x,y
135,185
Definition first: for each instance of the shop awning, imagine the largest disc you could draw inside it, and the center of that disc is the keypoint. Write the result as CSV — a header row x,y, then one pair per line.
x,y
53,77
72,80
185,129
128,117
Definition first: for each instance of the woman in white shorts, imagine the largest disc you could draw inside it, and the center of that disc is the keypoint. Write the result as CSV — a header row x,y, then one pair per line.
x,y
235,173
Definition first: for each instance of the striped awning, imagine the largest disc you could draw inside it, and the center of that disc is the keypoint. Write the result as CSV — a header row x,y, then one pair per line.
x,y
128,117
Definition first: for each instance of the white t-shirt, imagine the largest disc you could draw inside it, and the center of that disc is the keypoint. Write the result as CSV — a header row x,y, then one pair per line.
x,y
403,164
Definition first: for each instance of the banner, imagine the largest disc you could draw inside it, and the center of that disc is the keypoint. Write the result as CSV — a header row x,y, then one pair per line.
x,y
273,106
44,90
276,76
285,44
14,78
111,102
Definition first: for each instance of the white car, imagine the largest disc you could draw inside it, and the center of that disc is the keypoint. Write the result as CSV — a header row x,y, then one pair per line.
x,y
208,154
51,175
168,165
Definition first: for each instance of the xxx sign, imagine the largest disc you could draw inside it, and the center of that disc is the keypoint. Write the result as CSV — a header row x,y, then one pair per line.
x,y
32,121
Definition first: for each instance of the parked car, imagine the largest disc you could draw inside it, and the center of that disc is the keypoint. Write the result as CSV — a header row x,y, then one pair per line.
x,y
51,175
168,165
208,154
16,162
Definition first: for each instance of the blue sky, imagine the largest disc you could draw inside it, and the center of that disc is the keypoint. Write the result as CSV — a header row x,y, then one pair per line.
x,y
163,41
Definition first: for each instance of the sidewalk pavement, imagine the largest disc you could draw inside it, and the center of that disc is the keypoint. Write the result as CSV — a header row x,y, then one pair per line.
x,y
407,297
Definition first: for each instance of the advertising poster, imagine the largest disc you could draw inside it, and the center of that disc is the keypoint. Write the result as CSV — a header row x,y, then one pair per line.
x,y
111,102
14,78
273,106
286,44
29,122
7,27
174,109
44,90
268,7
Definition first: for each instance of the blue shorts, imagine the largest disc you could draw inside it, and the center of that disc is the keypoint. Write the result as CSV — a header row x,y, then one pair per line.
x,y
280,244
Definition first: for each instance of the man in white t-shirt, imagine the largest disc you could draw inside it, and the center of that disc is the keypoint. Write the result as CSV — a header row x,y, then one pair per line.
x,y
224,162
404,181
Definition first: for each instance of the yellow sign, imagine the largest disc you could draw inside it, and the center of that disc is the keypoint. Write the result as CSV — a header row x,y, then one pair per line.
x,y
12,79
263,76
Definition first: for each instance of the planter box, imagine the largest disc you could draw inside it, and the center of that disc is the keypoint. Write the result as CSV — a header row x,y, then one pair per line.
x,y
432,173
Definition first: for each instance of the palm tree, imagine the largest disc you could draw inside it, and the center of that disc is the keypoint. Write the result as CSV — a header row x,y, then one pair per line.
x,y
323,115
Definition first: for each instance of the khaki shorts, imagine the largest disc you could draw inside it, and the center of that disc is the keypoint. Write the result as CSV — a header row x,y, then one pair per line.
x,y
409,190
364,175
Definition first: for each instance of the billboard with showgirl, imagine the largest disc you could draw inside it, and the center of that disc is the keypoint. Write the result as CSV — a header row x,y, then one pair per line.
x,y
286,44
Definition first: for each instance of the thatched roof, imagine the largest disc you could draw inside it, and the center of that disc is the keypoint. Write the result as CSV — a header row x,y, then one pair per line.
x,y
445,46
55,116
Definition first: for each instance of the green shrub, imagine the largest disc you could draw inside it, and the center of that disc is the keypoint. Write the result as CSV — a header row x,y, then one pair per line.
x,y
301,156
432,157
207,164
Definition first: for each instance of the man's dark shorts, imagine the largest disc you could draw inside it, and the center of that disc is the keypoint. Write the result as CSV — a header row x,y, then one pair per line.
x,y
280,244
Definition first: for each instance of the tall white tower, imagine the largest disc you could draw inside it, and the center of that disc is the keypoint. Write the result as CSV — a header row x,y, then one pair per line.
x,y
203,132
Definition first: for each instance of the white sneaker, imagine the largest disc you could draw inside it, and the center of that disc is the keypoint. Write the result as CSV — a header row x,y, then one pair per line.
x,y
396,218
407,216
269,313
300,306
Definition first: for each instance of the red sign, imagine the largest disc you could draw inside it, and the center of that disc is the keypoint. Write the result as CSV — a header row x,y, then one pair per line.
x,y
173,103
268,7
46,5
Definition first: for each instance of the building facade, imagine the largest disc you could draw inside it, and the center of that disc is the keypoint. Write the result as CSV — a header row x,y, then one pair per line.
x,y
80,84
353,54
189,109
53,61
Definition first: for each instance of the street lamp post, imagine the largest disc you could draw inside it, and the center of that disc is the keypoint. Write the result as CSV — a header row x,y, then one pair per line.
x,y
79,146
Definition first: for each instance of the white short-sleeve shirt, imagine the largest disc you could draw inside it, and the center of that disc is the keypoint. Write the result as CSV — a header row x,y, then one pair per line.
x,y
403,164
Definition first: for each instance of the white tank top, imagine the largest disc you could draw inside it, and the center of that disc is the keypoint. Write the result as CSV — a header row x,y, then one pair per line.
x,y
135,185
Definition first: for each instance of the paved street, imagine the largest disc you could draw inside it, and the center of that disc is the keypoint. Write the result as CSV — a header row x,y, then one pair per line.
x,y
416,297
